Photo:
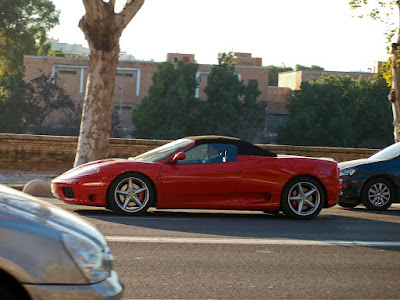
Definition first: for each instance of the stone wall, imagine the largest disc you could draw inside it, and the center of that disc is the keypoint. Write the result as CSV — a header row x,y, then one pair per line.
x,y
19,152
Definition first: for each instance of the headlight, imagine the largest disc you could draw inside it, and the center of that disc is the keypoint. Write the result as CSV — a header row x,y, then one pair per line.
x,y
347,172
92,261
83,171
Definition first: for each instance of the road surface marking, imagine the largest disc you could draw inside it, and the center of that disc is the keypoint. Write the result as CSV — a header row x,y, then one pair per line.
x,y
227,241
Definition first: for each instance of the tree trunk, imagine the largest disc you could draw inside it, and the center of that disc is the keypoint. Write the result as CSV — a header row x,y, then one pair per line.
x,y
97,108
394,96
102,28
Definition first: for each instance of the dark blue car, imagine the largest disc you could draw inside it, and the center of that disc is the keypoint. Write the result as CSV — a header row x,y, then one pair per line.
x,y
374,181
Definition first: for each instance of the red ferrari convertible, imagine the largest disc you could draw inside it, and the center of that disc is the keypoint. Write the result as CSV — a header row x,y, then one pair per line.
x,y
205,172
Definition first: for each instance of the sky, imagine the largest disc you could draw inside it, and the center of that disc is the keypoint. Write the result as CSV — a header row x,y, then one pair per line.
x,y
326,33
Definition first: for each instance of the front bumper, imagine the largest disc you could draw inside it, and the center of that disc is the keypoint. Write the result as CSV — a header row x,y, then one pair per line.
x,y
351,189
333,190
91,191
109,289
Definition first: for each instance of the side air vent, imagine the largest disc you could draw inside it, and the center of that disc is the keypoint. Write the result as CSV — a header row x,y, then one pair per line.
x,y
68,192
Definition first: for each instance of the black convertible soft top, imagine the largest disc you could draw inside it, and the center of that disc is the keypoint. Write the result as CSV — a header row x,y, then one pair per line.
x,y
244,148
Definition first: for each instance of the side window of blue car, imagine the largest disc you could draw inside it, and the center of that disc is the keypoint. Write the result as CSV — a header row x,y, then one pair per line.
x,y
210,154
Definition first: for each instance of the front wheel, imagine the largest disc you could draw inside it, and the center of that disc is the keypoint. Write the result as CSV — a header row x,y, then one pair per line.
x,y
377,194
130,194
302,198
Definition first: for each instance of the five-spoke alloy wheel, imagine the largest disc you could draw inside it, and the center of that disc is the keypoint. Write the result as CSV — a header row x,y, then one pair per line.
x,y
130,194
302,198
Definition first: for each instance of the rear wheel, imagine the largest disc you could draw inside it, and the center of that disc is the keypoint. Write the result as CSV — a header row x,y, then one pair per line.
x,y
377,194
302,198
130,194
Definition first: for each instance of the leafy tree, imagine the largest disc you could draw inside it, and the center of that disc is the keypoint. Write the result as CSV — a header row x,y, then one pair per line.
x,y
374,120
224,112
43,97
166,112
252,113
338,111
13,113
23,23
69,122
219,114
102,27
387,12
273,73
23,104
312,68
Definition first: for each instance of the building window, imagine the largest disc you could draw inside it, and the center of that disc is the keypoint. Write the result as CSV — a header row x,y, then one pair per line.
x,y
253,81
124,75
67,72
123,107
275,121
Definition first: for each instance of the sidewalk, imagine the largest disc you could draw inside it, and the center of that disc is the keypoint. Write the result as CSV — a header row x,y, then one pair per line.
x,y
18,179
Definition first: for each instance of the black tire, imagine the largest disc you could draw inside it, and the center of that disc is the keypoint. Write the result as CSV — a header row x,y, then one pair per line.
x,y
378,194
348,204
11,289
302,198
130,194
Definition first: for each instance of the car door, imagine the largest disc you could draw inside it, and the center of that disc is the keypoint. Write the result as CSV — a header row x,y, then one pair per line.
x,y
263,178
204,179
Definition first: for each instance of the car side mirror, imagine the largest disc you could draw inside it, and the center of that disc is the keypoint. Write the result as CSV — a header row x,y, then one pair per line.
x,y
178,156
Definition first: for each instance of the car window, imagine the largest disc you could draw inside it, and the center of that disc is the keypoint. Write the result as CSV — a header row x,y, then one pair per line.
x,y
210,154
162,152
388,153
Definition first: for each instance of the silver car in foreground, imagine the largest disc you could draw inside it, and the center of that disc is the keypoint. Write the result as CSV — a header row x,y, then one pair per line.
x,y
49,253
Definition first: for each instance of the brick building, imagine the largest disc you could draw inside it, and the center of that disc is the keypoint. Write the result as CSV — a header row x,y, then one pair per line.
x,y
246,59
133,79
293,79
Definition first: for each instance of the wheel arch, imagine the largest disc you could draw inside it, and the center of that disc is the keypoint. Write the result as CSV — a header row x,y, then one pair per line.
x,y
314,178
153,185
386,177
10,281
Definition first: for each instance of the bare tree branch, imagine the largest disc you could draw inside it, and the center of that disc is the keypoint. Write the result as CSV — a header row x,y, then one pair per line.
x,y
129,11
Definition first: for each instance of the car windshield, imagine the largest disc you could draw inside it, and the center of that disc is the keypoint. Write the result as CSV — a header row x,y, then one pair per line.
x,y
388,153
162,152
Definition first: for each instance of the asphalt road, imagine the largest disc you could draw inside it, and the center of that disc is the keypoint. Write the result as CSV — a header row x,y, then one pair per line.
x,y
183,254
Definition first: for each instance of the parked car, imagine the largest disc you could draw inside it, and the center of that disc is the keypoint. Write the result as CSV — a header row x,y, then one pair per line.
x,y
49,253
206,172
373,181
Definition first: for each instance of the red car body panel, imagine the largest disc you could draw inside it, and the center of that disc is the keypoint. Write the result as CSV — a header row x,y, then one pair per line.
x,y
251,182
200,186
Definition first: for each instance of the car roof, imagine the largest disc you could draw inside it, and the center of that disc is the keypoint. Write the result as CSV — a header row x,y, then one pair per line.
x,y
244,148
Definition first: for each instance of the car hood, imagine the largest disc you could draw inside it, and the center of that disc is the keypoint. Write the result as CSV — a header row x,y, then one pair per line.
x,y
21,208
91,168
355,163
101,168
